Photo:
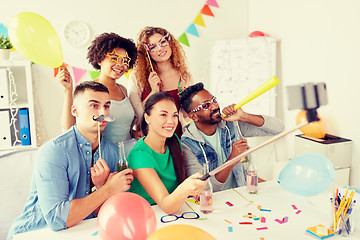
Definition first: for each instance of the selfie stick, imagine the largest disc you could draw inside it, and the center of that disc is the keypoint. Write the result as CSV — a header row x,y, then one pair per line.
x,y
239,157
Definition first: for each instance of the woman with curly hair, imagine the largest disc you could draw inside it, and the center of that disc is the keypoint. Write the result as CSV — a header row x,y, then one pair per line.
x,y
161,66
113,55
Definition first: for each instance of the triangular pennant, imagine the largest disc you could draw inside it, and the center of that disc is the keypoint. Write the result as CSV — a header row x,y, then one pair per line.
x,y
199,20
78,73
94,74
206,11
127,73
56,70
3,30
212,3
184,40
192,30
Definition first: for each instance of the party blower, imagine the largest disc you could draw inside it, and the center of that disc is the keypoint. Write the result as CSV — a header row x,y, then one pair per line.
x,y
266,86
307,97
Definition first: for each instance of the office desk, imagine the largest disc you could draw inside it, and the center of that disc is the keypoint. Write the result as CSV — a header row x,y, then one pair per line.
x,y
271,196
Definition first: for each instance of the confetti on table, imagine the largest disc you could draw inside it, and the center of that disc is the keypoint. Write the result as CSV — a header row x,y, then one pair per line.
x,y
193,201
229,204
227,221
299,211
256,219
262,228
95,233
265,210
249,216
230,229
294,207
285,219
279,221
262,238
263,220
245,222
259,207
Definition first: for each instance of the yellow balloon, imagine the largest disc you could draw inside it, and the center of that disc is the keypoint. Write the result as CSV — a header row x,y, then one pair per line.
x,y
313,129
180,232
35,38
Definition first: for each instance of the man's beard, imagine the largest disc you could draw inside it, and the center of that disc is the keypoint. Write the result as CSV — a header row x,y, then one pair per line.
x,y
216,120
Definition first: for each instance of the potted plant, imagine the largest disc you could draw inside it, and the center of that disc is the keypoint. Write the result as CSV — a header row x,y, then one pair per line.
x,y
5,46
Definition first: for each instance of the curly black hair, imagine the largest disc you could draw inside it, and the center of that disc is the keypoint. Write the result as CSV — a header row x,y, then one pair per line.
x,y
188,94
107,42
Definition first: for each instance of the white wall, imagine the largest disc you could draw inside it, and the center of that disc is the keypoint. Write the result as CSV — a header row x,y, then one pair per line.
x,y
126,18
317,41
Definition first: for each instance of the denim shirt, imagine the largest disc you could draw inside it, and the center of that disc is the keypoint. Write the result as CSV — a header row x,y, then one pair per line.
x,y
196,150
61,174
205,153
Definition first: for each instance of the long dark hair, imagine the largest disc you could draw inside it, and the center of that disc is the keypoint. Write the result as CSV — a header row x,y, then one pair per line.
x,y
172,142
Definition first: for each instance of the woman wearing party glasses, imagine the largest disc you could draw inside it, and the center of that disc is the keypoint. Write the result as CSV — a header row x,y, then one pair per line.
x,y
161,66
113,55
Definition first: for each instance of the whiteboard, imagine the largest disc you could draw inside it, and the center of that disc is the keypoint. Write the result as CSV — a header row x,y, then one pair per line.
x,y
238,67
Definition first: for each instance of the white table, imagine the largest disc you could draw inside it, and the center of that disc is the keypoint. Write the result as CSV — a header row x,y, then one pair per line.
x,y
314,210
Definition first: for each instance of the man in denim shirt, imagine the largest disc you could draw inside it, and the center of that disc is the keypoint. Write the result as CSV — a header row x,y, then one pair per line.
x,y
211,140
68,169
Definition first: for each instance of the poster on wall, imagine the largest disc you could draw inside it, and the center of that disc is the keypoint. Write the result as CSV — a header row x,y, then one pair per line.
x,y
238,67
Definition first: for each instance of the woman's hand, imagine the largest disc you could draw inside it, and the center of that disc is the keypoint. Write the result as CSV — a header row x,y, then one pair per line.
x,y
193,185
65,78
155,82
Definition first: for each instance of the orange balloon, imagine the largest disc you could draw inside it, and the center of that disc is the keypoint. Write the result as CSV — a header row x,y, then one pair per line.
x,y
313,129
180,232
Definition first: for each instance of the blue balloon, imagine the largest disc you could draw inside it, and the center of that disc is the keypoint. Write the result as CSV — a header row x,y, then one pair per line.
x,y
307,174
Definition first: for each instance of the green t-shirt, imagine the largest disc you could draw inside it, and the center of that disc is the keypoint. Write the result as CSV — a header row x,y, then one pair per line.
x,y
142,156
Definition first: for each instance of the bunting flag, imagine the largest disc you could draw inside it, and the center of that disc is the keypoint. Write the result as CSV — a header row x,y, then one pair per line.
x,y
184,40
94,74
212,3
78,73
56,70
198,21
3,30
207,11
192,30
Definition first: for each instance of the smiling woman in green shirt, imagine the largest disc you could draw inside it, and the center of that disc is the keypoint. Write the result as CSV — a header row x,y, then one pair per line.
x,y
156,159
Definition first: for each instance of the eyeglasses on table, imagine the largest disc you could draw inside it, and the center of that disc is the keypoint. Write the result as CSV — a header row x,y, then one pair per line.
x,y
185,215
